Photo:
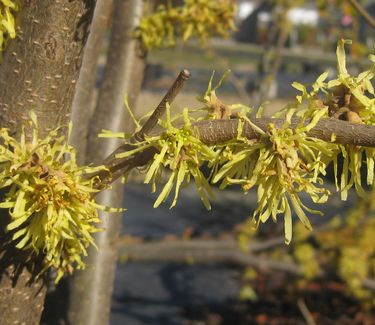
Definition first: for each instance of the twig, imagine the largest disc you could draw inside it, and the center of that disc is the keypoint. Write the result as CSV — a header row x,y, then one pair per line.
x,y
271,62
305,312
241,91
362,11
159,111
259,246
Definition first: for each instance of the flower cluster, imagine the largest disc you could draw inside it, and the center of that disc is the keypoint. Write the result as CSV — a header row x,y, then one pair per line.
x,y
346,98
52,212
179,151
282,163
196,18
7,26
344,245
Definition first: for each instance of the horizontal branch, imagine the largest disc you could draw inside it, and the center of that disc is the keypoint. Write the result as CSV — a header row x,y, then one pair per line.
x,y
219,131
211,252
363,12
202,252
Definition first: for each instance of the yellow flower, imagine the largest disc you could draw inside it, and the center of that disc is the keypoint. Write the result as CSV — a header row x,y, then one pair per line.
x,y
179,152
196,18
281,164
52,212
7,25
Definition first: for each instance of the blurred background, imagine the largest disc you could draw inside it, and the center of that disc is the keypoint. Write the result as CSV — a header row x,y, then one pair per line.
x,y
192,266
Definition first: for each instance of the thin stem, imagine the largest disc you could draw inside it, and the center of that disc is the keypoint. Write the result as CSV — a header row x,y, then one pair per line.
x,y
272,57
305,312
362,11
160,109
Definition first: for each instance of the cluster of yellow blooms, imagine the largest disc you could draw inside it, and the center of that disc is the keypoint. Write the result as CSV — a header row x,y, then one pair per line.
x,y
7,26
52,212
344,245
196,18
283,162
54,215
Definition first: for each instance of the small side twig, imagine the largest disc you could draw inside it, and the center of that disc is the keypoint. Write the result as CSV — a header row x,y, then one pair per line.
x,y
362,11
159,111
305,312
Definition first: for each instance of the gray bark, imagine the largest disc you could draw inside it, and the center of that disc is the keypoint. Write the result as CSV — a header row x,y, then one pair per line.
x,y
84,98
38,72
57,304
91,289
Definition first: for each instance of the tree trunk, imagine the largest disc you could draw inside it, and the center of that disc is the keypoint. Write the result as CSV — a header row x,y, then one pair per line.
x,y
91,290
84,98
38,72
84,102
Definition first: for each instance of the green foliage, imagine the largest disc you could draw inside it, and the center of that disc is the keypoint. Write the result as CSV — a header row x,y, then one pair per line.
x,y
7,25
196,18
52,212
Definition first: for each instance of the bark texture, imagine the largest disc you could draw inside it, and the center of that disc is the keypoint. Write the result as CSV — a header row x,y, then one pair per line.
x,y
91,290
38,72
329,130
40,68
219,131
84,102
